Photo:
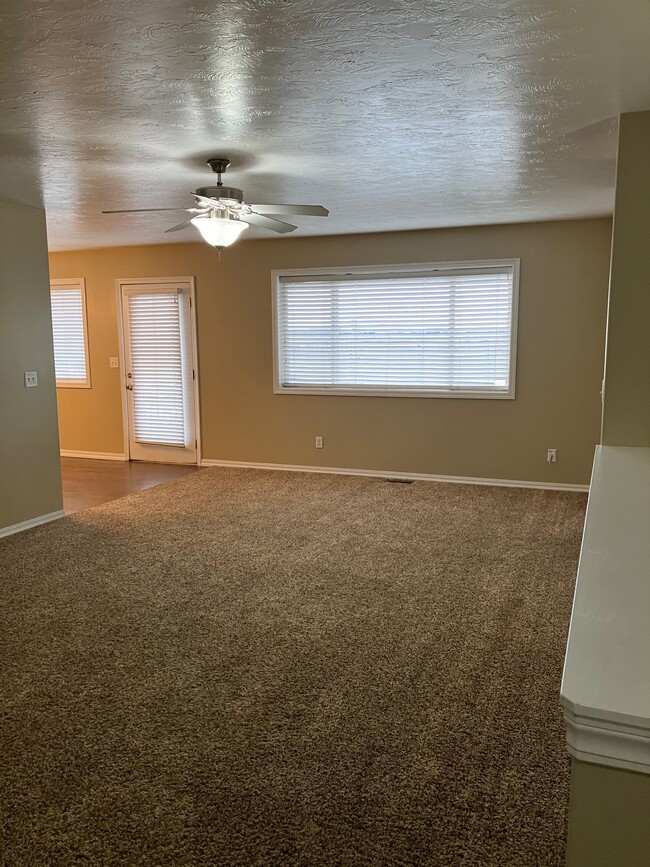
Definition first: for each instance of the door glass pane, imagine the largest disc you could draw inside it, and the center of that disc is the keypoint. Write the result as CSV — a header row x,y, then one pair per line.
x,y
157,367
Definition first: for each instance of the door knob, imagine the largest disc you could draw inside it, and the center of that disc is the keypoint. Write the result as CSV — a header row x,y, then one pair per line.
x,y
130,387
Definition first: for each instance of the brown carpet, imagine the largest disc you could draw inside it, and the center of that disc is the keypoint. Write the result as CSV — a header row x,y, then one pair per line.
x,y
260,668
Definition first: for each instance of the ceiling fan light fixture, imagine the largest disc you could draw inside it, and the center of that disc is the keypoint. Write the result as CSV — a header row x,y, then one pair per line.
x,y
219,232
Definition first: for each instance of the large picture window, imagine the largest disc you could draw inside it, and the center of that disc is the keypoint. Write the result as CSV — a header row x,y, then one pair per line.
x,y
446,330
70,333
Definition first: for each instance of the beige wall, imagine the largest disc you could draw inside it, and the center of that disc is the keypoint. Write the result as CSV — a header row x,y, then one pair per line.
x,y
609,817
626,416
30,482
563,289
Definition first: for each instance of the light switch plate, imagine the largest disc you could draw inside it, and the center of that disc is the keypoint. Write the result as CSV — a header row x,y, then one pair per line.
x,y
114,362
31,379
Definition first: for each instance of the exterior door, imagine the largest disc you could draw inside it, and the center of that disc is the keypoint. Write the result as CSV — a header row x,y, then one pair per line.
x,y
159,377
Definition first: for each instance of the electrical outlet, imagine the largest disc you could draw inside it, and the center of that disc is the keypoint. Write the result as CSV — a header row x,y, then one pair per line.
x,y
113,362
31,379
319,442
551,456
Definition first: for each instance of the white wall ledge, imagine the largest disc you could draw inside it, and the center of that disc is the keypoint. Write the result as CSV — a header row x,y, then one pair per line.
x,y
606,685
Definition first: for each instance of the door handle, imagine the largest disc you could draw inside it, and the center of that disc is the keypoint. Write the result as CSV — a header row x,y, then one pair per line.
x,y
130,387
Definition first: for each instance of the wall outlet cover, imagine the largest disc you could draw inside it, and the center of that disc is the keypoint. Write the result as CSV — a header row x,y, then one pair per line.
x,y
31,379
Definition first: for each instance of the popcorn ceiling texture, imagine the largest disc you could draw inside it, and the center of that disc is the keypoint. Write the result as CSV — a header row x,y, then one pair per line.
x,y
248,667
395,115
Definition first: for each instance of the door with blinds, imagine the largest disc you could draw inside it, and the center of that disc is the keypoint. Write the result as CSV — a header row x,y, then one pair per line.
x,y
159,376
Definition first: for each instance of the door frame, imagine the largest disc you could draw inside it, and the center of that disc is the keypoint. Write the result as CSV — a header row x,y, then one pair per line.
x,y
148,281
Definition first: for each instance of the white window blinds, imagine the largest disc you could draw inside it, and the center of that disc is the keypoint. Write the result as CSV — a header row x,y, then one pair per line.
x,y
441,331
156,368
69,333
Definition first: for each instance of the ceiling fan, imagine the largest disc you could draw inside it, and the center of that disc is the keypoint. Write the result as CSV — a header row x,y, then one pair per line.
x,y
221,214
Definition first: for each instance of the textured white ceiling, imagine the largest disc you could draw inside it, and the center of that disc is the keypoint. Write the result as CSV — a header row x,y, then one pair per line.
x,y
395,115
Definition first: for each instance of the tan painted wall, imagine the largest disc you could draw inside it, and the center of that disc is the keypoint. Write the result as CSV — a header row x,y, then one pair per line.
x,y
609,817
564,275
30,480
626,415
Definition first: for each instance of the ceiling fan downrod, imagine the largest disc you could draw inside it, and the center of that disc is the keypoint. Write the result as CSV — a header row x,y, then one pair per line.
x,y
219,166
225,195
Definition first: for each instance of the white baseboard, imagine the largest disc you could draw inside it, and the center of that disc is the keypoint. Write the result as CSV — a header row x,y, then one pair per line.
x,y
33,522
95,456
418,477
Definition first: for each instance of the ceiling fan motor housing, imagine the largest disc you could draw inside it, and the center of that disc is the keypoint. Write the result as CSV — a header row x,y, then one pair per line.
x,y
227,195
219,165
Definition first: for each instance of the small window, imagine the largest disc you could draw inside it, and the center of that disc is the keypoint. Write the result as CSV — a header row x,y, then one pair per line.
x,y
70,332
445,330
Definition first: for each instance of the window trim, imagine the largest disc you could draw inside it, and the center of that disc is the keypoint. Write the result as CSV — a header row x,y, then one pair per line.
x,y
75,283
392,391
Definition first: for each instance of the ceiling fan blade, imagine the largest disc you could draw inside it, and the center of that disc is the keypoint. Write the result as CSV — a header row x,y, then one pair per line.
x,y
212,203
143,210
267,223
307,210
182,225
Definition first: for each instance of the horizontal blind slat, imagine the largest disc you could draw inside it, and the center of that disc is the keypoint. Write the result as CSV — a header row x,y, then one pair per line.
x,y
158,393
443,329
68,334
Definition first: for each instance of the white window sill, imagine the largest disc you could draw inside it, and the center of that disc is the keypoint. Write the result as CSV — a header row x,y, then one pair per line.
x,y
393,392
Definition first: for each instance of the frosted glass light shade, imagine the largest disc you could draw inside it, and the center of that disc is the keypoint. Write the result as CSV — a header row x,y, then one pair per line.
x,y
219,231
